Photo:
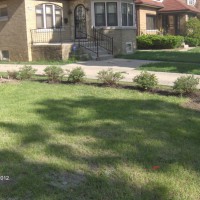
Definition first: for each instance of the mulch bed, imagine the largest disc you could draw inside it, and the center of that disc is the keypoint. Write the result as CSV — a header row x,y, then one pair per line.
x,y
5,80
193,103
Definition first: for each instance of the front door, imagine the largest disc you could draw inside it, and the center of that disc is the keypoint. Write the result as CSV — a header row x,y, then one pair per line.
x,y
80,22
177,24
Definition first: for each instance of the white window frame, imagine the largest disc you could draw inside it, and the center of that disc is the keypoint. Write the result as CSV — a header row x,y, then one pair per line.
x,y
3,18
106,20
44,16
191,2
127,14
119,14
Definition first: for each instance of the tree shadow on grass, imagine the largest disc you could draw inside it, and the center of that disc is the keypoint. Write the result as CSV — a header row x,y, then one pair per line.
x,y
170,56
117,132
161,132
172,67
30,133
31,180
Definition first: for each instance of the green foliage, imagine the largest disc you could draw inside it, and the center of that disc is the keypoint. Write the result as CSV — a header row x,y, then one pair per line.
x,y
146,80
193,28
192,42
109,77
76,75
186,84
26,72
12,74
159,41
54,73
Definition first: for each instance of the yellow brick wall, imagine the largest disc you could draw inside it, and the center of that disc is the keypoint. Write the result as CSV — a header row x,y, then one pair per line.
x,y
141,17
13,31
31,17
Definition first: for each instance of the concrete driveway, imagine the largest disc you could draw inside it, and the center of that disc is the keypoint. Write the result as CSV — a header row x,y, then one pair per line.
x,y
91,69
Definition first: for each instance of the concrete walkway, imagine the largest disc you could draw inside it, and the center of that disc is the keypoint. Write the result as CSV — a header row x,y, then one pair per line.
x,y
91,69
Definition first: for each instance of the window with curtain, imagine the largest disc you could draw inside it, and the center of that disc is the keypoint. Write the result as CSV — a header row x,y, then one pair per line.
x,y
48,16
124,14
150,22
105,14
127,14
99,9
112,14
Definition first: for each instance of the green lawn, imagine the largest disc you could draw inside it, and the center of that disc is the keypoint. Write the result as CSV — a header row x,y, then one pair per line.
x,y
43,62
83,142
172,67
197,50
191,56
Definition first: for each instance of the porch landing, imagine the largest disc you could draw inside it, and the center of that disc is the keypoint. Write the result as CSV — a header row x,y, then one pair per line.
x,y
51,51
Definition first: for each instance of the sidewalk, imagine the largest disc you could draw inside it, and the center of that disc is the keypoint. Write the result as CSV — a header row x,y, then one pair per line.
x,y
91,69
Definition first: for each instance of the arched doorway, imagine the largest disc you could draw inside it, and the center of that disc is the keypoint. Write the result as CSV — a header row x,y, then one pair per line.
x,y
80,22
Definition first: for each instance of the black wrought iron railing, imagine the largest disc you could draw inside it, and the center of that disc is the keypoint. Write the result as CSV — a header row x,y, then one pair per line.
x,y
95,42
92,42
104,41
88,42
51,35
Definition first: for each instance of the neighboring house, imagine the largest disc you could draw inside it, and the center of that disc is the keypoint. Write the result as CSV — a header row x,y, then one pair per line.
x,y
47,29
164,16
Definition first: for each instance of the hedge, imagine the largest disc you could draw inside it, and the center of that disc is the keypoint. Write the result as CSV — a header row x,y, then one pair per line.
x,y
192,42
159,41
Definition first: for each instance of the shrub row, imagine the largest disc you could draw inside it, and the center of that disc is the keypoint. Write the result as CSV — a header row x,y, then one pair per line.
x,y
145,80
192,42
159,41
53,73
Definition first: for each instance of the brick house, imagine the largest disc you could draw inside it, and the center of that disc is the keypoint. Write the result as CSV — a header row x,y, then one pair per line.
x,y
48,29
165,16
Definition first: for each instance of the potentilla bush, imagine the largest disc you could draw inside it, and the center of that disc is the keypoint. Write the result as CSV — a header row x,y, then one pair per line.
x,y
186,84
109,77
76,75
54,73
26,72
12,74
146,80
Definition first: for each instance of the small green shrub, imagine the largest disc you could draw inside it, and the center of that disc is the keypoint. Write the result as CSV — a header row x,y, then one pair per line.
x,y
159,41
193,28
76,75
26,72
12,74
186,84
146,80
109,77
54,73
192,42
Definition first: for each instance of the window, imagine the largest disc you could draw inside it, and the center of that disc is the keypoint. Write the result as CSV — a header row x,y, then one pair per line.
x,y
127,14
105,14
112,14
3,12
99,9
129,47
191,2
150,22
4,55
48,16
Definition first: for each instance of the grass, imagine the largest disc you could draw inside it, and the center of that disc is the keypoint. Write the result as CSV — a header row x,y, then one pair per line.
x,y
43,62
191,56
82,142
188,68
196,50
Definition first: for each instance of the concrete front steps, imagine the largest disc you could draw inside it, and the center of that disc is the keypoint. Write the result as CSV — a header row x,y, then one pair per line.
x,y
87,52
